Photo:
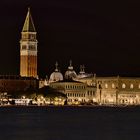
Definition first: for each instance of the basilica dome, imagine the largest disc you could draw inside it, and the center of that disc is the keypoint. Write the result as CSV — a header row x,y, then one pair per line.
x,y
70,73
56,75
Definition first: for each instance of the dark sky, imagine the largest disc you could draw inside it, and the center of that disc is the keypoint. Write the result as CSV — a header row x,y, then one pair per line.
x,y
104,35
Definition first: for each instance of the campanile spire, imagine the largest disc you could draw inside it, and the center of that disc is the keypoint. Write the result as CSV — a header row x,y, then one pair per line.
x,y
28,24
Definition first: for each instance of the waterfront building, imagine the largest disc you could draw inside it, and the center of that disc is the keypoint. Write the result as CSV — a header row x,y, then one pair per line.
x,y
88,88
79,88
12,83
76,91
116,90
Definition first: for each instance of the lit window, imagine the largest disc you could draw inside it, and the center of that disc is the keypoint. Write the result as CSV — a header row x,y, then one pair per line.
x,y
139,86
106,85
113,85
131,86
123,86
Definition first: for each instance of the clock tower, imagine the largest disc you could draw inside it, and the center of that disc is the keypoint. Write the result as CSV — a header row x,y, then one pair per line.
x,y
28,48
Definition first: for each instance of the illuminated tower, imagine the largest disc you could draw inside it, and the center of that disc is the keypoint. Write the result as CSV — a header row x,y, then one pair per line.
x,y
28,48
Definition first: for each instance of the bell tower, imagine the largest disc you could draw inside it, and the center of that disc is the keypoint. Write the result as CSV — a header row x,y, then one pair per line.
x,y
28,48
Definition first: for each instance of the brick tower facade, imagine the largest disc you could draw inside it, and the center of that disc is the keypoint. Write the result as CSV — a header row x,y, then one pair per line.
x,y
28,48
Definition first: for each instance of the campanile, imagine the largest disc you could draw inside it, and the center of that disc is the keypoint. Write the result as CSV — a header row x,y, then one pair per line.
x,y
28,48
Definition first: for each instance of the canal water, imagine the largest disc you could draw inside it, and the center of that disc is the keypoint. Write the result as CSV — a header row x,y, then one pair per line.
x,y
69,123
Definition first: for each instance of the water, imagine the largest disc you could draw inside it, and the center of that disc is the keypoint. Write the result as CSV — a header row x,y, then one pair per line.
x,y
69,123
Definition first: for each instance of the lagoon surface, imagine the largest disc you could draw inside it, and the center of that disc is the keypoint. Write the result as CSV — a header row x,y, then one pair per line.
x,y
69,123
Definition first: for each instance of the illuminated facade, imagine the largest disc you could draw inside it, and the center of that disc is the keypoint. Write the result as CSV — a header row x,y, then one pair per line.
x,y
28,48
88,88
77,92
116,90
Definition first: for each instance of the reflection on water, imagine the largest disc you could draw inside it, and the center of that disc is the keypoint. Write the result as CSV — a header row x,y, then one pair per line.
x,y
69,123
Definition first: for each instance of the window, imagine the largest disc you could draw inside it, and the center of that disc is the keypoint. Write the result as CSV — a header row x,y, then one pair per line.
x,y
113,85
131,86
106,85
139,86
123,85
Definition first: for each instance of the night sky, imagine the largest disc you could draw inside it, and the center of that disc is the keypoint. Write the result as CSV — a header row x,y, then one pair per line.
x,y
104,35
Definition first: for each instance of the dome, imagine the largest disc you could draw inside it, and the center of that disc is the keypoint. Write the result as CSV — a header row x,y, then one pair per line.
x,y
70,73
56,75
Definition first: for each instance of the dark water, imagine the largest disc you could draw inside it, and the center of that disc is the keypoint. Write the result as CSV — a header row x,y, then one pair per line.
x,y
69,123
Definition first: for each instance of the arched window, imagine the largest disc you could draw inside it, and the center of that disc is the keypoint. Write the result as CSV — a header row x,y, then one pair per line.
x,y
113,85
123,85
131,86
106,85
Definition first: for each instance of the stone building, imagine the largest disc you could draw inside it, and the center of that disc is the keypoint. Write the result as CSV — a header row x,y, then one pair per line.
x,y
77,92
13,83
100,90
116,90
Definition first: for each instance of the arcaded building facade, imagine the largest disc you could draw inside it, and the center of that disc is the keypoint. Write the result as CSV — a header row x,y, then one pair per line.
x,y
116,90
77,92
